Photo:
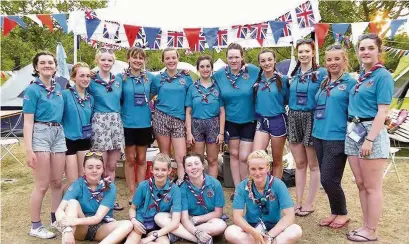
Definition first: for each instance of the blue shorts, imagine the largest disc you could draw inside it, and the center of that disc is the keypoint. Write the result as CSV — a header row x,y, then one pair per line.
x,y
276,126
244,132
48,138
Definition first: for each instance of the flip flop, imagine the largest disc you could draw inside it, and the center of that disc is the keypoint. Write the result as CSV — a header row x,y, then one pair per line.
x,y
118,207
339,226
304,211
326,224
364,238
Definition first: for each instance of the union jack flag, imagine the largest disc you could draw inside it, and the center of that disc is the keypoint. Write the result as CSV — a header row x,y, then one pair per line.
x,y
201,42
259,32
90,14
105,32
140,35
222,38
286,18
175,39
93,43
156,44
242,30
305,15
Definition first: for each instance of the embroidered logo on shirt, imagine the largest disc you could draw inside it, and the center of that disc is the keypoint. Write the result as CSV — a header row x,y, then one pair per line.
x,y
182,81
58,93
369,83
342,87
210,193
26,98
216,93
167,198
117,84
245,76
272,197
99,197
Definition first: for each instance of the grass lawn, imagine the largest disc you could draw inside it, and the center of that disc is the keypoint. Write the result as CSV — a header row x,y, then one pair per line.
x,y
15,220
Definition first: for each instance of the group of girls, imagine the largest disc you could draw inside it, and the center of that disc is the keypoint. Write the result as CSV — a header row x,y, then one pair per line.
x,y
331,117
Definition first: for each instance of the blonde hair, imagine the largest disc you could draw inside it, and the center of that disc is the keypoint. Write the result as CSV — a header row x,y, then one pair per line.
x,y
76,67
99,53
344,54
259,154
168,49
161,157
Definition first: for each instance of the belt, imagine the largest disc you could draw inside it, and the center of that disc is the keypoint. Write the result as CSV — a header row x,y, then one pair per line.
x,y
48,123
357,120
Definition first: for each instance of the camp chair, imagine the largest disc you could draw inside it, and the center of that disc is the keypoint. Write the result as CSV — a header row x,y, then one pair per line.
x,y
7,145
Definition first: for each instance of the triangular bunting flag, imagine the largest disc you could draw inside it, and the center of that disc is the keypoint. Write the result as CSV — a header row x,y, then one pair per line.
x,y
18,20
277,28
131,32
34,18
376,27
151,33
357,30
321,30
259,32
91,22
211,36
46,19
8,25
395,24
338,31
62,21
192,36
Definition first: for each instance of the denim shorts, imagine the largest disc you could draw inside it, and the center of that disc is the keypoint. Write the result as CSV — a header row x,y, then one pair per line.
x,y
48,138
380,145
205,130
276,126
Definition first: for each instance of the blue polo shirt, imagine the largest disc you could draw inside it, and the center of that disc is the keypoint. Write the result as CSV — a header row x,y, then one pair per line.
x,y
238,103
45,109
276,204
171,96
200,108
106,102
142,200
309,87
334,125
75,116
375,90
79,191
213,197
272,102
134,116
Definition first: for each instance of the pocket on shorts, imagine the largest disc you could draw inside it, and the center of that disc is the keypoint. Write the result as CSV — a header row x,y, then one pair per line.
x,y
40,128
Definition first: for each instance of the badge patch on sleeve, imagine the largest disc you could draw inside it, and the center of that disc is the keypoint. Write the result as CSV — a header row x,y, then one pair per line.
x,y
26,97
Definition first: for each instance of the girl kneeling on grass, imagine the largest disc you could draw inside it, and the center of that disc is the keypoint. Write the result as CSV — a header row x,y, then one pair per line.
x,y
85,213
264,197
155,209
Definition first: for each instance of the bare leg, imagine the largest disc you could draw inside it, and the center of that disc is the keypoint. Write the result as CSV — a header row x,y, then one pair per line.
x,y
80,161
214,226
57,170
113,157
290,235
71,170
130,153
244,152
300,158
179,145
236,235
164,144
41,176
234,160
212,158
141,162
113,232
199,147
359,180
277,148
261,140
314,178
163,219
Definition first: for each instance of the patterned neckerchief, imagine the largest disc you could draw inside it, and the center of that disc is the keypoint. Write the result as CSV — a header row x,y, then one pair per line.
x,y
137,78
332,85
363,76
266,195
170,79
79,99
97,194
156,201
199,198
108,85
50,90
270,81
204,95
233,78
303,78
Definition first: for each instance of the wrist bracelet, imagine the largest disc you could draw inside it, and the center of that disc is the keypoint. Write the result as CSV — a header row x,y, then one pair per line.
x,y
366,138
222,134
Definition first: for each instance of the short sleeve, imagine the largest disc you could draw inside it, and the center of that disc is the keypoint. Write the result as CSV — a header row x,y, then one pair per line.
x,y
384,89
30,100
221,101
189,81
184,201
240,195
139,196
219,195
73,192
109,197
189,97
282,193
322,73
155,85
176,202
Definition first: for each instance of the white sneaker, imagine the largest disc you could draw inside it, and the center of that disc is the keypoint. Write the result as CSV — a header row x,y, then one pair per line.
x,y
42,233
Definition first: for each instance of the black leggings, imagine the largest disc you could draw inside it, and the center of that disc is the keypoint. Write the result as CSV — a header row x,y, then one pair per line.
x,y
332,160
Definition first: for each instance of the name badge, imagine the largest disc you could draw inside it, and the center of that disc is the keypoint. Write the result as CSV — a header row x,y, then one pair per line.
x,y
320,112
139,99
302,98
86,131
358,133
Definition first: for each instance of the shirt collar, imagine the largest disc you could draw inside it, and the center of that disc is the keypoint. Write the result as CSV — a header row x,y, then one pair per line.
x,y
165,187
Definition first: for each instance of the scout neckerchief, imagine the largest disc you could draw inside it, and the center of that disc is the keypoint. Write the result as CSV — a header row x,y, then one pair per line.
x,y
157,201
77,96
364,75
170,79
233,79
307,75
266,195
332,85
138,78
97,194
108,85
50,90
199,198
270,81
204,96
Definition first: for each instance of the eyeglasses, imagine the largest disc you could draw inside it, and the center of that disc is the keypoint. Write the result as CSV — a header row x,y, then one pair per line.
x,y
367,36
334,47
106,50
301,41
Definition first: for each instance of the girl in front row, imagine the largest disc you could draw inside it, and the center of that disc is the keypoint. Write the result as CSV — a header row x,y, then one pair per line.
x,y
155,209
85,213
264,197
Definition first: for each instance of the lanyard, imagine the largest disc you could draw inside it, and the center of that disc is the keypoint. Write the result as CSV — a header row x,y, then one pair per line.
x,y
366,75
157,201
204,96
49,90
199,198
97,194
137,81
108,85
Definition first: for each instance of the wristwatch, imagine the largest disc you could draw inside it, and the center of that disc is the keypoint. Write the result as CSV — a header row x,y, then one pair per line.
x,y
155,234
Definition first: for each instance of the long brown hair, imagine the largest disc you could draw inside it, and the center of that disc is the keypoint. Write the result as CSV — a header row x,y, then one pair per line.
x,y
311,43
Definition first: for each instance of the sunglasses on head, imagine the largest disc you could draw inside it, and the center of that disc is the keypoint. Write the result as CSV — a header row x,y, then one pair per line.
x,y
301,41
106,50
90,154
367,36
334,47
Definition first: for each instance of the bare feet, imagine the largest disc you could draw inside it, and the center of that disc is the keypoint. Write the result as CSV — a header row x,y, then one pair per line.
x,y
328,220
340,221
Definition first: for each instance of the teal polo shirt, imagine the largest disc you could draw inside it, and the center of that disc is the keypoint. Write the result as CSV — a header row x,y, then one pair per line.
x,y
106,101
202,109
271,102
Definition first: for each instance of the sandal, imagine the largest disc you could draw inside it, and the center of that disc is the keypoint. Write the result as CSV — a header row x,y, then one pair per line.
x,y
307,212
364,238
118,207
340,225
326,222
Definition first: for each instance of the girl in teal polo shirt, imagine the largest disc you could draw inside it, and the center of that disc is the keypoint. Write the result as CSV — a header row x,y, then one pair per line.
x,y
155,209
205,115
107,127
367,142
236,83
305,81
76,120
136,116
271,93
169,118
85,213
44,139
269,215
330,127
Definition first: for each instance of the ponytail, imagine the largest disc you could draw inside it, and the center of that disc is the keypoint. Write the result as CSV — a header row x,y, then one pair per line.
x,y
296,68
279,80
314,68
257,84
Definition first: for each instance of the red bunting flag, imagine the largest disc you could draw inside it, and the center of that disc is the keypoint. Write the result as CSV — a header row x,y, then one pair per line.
x,y
131,32
8,25
321,31
192,36
376,27
47,21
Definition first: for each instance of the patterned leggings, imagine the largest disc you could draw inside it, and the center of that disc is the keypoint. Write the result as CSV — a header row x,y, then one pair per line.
x,y
332,160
